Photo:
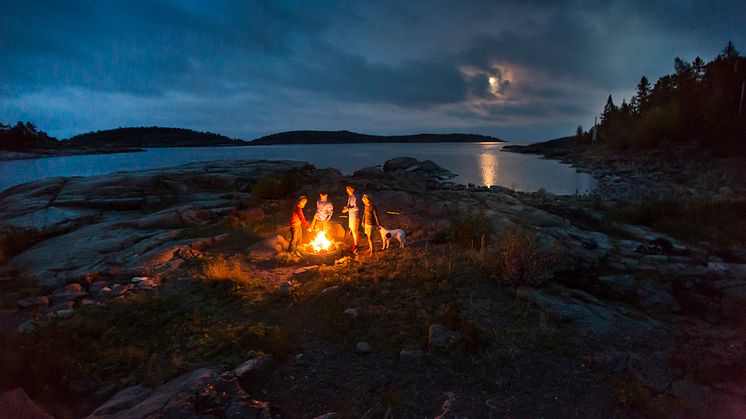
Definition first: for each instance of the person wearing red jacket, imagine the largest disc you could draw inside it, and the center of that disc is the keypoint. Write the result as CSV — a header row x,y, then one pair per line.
x,y
297,224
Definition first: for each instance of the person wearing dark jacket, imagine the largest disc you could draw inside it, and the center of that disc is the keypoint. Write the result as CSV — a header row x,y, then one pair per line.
x,y
297,224
370,220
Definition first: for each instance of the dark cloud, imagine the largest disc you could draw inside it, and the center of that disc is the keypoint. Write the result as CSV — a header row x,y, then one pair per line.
x,y
251,67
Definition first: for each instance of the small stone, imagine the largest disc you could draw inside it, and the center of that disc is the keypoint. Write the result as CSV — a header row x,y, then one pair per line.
x,y
63,314
26,327
97,286
63,306
410,355
104,292
87,302
139,279
146,284
330,415
351,313
363,348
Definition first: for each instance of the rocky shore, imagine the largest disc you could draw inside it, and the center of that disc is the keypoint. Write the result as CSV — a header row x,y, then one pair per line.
x,y
502,304
680,172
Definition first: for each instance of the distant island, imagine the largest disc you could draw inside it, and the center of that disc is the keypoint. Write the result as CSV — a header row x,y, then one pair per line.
x,y
349,137
26,141
145,137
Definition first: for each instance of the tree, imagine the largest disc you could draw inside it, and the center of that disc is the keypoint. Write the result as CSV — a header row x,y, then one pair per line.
x,y
579,132
641,97
729,52
610,111
698,69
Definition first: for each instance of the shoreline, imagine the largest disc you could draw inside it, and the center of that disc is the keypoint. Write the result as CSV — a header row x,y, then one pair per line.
x,y
7,155
645,174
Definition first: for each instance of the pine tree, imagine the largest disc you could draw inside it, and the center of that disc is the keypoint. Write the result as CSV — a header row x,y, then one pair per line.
x,y
610,111
729,52
641,97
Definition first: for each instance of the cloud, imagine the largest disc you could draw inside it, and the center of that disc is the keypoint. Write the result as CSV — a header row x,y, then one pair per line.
x,y
250,67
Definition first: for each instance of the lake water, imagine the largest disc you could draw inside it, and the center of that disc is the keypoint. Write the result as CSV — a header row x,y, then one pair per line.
x,y
477,163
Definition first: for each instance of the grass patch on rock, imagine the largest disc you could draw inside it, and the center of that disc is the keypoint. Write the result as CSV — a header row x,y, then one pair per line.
x,y
716,221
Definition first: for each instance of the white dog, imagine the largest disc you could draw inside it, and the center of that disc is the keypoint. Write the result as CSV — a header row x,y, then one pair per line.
x,y
398,234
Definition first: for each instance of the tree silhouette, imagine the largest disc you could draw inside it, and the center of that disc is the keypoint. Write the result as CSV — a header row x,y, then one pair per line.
x,y
697,104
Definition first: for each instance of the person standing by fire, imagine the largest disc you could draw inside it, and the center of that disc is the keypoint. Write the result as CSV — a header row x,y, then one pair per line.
x,y
370,221
297,223
353,212
324,211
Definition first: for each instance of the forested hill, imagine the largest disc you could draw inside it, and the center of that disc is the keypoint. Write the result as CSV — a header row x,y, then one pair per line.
x,y
348,137
144,137
701,103
22,137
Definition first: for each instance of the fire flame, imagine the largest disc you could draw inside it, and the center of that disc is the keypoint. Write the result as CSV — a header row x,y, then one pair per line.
x,y
320,243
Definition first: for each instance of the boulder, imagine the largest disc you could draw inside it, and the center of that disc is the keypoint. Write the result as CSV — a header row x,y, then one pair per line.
x,y
253,374
399,163
351,313
16,404
175,395
124,399
268,248
372,171
70,292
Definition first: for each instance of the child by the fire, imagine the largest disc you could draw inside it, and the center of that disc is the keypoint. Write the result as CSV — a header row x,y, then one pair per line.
x,y
297,224
370,220
324,211
353,212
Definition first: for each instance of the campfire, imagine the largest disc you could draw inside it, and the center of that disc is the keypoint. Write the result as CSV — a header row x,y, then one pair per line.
x,y
321,249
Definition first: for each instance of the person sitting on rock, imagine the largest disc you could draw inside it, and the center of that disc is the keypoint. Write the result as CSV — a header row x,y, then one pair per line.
x,y
324,211
297,223
353,211
370,220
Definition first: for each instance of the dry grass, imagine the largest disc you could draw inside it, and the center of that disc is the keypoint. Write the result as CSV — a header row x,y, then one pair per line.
x,y
221,269
515,259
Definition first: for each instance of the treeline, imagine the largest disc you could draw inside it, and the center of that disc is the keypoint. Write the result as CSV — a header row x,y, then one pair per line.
x,y
152,137
700,103
21,137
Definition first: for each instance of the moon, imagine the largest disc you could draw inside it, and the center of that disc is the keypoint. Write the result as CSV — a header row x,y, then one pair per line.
x,y
492,81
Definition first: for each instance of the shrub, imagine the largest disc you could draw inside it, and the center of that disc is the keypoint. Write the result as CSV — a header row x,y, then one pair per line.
x,y
518,259
471,229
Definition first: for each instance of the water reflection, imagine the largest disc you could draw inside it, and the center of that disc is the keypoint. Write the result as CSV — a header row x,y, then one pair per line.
x,y
477,163
488,166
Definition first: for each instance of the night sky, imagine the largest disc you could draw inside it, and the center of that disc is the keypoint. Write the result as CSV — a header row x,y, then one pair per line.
x,y
516,70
